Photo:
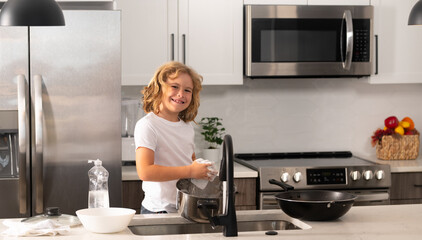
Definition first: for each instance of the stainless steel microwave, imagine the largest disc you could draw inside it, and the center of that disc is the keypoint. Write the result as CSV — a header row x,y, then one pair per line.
x,y
308,41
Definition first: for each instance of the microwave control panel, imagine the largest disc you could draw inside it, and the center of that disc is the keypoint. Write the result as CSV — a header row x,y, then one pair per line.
x,y
361,41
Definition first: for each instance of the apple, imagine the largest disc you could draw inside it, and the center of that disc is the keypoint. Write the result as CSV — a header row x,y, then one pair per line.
x,y
408,132
391,122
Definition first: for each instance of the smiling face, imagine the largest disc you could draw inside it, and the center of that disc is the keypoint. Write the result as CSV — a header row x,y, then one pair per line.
x,y
176,96
173,92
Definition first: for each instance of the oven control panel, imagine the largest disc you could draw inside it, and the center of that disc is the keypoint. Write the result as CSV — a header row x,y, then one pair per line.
x,y
325,176
352,177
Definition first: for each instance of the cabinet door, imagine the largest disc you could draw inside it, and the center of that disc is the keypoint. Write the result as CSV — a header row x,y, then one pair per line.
x,y
245,198
275,2
77,1
406,186
339,2
211,39
132,195
399,48
147,30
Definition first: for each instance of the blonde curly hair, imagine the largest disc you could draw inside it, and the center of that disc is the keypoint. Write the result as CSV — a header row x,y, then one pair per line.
x,y
152,93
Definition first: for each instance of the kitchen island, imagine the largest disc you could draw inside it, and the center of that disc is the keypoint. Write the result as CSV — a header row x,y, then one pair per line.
x,y
361,222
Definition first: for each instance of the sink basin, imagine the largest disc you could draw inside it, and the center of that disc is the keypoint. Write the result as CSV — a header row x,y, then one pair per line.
x,y
247,221
192,228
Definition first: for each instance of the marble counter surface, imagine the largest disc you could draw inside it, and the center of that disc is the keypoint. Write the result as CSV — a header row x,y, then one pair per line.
x,y
397,166
367,222
240,171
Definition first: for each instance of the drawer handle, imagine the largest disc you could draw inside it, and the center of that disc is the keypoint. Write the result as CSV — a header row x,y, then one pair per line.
x,y
418,185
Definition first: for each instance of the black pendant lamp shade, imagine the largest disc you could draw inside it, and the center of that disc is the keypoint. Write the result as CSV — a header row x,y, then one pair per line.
x,y
31,13
415,17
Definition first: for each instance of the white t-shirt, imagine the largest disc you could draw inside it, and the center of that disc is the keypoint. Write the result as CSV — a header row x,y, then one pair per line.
x,y
173,145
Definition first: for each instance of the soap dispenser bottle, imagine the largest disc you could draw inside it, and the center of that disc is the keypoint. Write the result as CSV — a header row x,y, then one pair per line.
x,y
98,186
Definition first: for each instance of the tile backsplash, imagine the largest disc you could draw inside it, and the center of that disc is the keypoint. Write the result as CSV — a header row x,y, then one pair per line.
x,y
286,115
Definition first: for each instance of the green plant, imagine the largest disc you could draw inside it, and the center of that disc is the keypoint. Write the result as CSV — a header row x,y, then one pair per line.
x,y
213,131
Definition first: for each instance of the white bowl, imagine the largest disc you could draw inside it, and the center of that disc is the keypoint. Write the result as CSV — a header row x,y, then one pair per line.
x,y
105,220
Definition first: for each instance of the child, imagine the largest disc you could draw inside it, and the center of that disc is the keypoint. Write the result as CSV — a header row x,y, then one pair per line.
x,y
164,138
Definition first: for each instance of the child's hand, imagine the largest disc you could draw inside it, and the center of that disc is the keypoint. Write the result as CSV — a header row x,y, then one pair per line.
x,y
199,170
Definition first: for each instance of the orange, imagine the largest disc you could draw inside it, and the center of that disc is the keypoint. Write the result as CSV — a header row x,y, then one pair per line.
x,y
410,121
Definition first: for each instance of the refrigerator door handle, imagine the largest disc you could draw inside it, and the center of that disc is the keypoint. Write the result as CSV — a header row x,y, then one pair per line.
x,y
23,141
38,159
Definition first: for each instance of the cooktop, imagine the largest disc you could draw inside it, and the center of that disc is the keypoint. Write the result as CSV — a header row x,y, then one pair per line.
x,y
300,159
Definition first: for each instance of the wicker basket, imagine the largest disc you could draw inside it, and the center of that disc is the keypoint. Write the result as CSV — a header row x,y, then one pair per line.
x,y
398,147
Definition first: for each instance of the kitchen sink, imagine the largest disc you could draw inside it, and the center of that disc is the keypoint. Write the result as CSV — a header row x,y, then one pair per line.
x,y
192,228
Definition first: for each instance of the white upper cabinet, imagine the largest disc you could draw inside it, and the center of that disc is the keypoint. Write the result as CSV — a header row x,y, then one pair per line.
x,y
146,41
307,2
275,2
75,0
339,2
399,48
204,34
84,0
214,39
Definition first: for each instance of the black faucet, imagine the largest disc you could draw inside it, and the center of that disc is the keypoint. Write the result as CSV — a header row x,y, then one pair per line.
x,y
228,219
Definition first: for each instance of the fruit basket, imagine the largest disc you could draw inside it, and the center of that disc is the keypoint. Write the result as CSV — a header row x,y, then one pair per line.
x,y
399,140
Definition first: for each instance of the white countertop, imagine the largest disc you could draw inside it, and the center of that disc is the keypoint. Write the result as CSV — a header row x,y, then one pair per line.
x,y
397,166
129,172
240,171
366,222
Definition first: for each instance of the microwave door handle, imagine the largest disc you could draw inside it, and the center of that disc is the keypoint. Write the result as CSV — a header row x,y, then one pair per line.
x,y
347,16
38,161
23,141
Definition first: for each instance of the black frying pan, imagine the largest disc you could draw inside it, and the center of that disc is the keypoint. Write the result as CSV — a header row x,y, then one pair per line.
x,y
313,205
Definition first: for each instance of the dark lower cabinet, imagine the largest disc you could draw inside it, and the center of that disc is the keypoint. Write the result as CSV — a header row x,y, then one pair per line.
x,y
245,197
132,195
406,188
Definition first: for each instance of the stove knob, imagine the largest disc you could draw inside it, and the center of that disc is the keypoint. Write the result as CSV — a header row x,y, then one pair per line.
x,y
380,175
285,177
297,177
355,175
368,175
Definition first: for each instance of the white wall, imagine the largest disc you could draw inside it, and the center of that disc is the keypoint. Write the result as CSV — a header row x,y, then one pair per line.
x,y
286,115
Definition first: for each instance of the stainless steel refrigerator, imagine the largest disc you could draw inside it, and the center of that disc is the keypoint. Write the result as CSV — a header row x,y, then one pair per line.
x,y
60,100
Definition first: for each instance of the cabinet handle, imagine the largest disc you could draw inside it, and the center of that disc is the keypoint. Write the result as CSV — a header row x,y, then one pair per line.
x,y
184,48
376,54
172,46
418,185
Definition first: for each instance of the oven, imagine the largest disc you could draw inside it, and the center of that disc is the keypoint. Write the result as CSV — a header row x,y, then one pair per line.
x,y
339,171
